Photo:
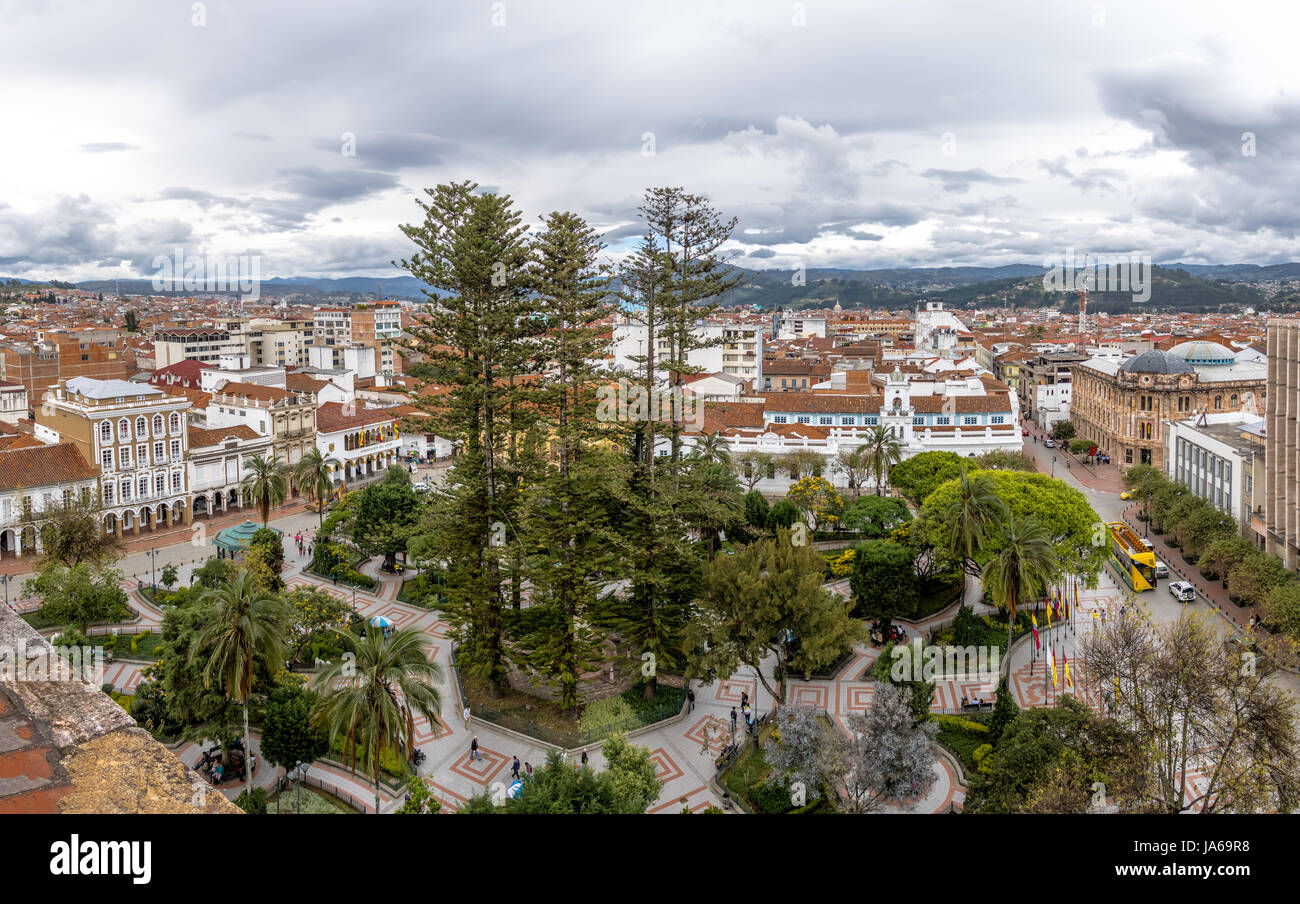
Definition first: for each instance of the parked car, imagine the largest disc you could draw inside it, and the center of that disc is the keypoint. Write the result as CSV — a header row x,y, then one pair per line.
x,y
1182,591
422,487
1050,443
1024,431
1162,570
1128,494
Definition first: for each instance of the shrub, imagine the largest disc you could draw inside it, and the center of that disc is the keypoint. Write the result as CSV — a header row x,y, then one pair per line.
x,y
137,638
252,803
965,629
602,718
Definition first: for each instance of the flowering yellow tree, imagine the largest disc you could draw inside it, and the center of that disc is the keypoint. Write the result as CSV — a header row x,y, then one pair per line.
x,y
817,497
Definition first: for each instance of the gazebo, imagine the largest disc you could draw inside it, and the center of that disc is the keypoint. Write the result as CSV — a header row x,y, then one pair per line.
x,y
235,539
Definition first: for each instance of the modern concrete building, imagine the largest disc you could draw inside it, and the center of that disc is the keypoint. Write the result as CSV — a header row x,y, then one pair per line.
x,y
1214,456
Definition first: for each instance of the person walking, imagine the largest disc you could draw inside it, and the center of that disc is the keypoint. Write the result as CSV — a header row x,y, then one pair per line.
x,y
690,700
514,767
733,721
466,714
584,756
473,750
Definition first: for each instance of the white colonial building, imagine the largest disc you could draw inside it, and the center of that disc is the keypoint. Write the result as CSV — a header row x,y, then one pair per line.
x,y
364,441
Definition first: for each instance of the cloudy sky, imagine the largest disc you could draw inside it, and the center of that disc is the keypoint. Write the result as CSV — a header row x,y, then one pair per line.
x,y
876,133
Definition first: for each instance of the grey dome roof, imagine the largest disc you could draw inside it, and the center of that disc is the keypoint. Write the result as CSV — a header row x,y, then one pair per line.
x,y
1156,361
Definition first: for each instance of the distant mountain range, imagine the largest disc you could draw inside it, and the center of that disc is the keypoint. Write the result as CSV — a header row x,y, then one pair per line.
x,y
1198,286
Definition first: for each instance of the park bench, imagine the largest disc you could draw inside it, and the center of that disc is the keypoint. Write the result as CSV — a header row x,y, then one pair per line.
x,y
986,706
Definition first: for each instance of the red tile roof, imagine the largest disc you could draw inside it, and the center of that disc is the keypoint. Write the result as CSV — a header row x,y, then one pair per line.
x,y
331,417
43,466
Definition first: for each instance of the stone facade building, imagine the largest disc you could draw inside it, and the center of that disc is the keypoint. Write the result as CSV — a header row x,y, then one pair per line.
x,y
1120,404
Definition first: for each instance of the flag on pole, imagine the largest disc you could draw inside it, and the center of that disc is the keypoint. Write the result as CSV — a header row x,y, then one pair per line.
x,y
1066,607
1076,596
1033,621
1053,654
1048,611
1069,685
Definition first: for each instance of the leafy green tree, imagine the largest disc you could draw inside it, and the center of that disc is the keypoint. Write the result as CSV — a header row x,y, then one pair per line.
x,y
370,701
1072,526
169,575
245,623
999,460
74,533
419,799
632,774
268,542
315,620
768,600
266,481
131,322
1043,748
876,516
1024,565
78,596
1219,557
1253,578
919,476
756,510
1062,430
1005,710
884,581
214,573
895,666
965,627
1281,609
288,737
388,514
314,476
783,514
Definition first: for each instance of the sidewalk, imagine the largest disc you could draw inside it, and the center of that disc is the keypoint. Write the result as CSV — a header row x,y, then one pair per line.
x,y
1212,591
1102,478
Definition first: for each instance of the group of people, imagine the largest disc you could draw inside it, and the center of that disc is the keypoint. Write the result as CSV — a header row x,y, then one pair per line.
x,y
211,765
305,544
978,701
747,711
880,636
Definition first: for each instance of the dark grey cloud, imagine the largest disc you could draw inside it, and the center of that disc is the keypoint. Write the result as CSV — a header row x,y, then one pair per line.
x,y
389,151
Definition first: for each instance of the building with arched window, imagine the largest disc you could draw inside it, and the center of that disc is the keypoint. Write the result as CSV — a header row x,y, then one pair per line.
x,y
133,434
1121,404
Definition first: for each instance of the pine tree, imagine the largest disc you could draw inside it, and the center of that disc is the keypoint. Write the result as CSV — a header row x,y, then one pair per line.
x,y
473,246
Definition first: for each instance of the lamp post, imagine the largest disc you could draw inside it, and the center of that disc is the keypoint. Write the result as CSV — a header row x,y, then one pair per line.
x,y
6,579
153,572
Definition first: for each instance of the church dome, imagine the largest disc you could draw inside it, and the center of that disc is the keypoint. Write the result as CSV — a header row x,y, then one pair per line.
x,y
1156,361
1200,352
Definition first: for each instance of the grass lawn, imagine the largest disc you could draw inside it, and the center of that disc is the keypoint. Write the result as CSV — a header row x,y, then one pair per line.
x,y
548,721
315,802
938,595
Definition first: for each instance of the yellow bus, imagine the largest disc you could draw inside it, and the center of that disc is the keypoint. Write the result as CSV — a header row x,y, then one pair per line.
x,y
1132,560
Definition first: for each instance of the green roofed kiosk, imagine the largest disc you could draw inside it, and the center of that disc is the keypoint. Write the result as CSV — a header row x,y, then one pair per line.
x,y
234,540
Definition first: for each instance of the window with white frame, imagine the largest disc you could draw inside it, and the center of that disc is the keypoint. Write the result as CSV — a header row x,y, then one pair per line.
x,y
175,423
176,481
126,490
123,430
124,454
158,452
141,428
848,421
970,420
826,420
106,459
108,494
997,419
176,449
157,425
780,419
160,484
105,432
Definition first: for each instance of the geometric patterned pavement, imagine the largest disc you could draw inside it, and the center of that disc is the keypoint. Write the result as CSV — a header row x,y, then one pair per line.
x,y
683,751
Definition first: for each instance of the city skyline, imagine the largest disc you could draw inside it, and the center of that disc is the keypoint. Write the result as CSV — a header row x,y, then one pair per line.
x,y
838,137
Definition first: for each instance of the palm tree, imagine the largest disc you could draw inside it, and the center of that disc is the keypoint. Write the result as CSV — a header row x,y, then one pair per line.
x,y
971,517
1023,566
371,701
247,622
267,481
883,451
314,476
712,447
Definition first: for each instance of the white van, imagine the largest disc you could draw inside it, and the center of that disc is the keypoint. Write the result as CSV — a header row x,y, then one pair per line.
x,y
1162,570
1182,591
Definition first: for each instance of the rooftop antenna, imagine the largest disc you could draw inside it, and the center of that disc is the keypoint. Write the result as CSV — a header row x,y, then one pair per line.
x,y
1083,310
